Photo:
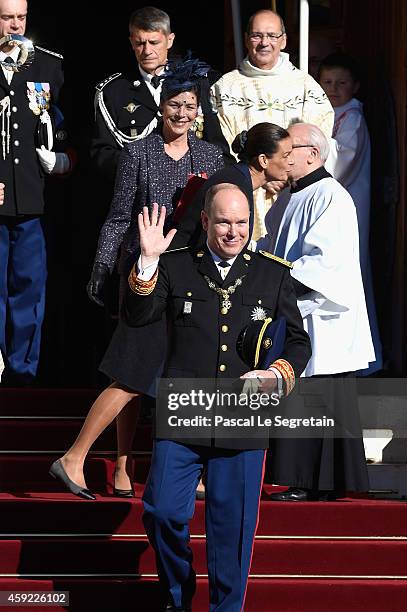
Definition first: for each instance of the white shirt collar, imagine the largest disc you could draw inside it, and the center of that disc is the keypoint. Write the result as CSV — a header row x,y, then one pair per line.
x,y
8,74
14,54
147,76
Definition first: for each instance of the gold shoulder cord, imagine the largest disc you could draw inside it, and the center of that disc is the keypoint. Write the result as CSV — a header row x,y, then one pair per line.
x,y
285,262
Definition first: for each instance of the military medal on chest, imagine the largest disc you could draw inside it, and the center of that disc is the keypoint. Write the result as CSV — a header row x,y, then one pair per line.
x,y
224,294
39,97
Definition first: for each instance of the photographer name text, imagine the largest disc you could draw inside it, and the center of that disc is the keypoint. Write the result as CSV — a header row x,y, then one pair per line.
x,y
254,420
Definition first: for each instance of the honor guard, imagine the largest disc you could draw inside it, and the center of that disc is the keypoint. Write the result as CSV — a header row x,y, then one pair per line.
x,y
27,92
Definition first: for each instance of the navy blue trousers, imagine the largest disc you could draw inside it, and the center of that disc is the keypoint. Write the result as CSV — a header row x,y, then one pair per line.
x,y
23,273
233,488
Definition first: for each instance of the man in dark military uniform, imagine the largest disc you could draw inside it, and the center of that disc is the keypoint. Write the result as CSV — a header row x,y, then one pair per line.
x,y
127,103
25,98
209,296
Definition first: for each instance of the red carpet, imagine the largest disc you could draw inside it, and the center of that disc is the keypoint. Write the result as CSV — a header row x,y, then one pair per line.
x,y
263,595
62,512
345,556
132,556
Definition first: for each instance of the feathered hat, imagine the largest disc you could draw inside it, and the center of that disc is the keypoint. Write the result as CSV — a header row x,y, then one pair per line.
x,y
182,75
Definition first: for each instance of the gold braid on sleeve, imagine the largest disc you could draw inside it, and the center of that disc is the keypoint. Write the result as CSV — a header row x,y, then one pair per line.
x,y
286,370
142,287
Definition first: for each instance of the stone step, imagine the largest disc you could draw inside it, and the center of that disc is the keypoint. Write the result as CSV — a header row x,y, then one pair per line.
x,y
134,557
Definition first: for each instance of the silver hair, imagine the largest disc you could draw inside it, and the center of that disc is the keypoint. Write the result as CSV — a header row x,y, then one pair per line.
x,y
150,19
316,138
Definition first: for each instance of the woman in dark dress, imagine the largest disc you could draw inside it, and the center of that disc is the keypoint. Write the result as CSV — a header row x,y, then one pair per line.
x,y
153,169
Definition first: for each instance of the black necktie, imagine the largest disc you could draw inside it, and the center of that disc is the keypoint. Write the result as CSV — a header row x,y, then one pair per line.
x,y
224,265
155,81
9,60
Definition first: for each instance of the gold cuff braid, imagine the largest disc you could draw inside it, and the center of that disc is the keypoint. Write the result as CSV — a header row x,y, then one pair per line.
x,y
286,370
141,287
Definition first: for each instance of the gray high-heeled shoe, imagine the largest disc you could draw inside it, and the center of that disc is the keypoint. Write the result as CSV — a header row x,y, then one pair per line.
x,y
57,471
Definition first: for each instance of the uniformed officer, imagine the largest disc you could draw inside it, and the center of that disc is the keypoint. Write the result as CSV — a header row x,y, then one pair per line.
x,y
25,99
127,103
209,295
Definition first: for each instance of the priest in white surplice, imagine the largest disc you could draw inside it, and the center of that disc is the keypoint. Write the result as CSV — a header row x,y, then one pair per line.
x,y
266,86
313,224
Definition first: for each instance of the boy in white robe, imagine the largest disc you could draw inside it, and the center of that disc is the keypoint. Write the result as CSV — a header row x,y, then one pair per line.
x,y
338,76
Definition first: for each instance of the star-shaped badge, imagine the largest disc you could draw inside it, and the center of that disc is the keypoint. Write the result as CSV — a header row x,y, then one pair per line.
x,y
258,314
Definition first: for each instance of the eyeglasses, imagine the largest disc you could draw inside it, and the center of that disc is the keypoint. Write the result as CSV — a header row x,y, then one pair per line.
x,y
258,36
301,146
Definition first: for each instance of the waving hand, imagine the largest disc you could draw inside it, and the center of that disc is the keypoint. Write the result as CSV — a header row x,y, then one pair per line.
x,y
151,231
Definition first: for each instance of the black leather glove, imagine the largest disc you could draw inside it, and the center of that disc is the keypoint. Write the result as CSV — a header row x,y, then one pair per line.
x,y
96,285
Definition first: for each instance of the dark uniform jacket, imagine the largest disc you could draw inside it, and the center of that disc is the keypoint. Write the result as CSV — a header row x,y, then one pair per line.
x,y
21,171
131,108
197,340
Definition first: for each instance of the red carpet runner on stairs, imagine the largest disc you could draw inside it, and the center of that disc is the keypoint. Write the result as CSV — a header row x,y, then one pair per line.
x,y
345,556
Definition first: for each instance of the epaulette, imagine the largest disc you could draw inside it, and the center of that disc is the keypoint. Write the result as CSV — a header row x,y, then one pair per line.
x,y
49,52
185,248
106,81
277,259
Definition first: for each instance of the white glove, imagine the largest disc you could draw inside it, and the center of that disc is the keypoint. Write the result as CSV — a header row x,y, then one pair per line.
x,y
53,163
1,365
